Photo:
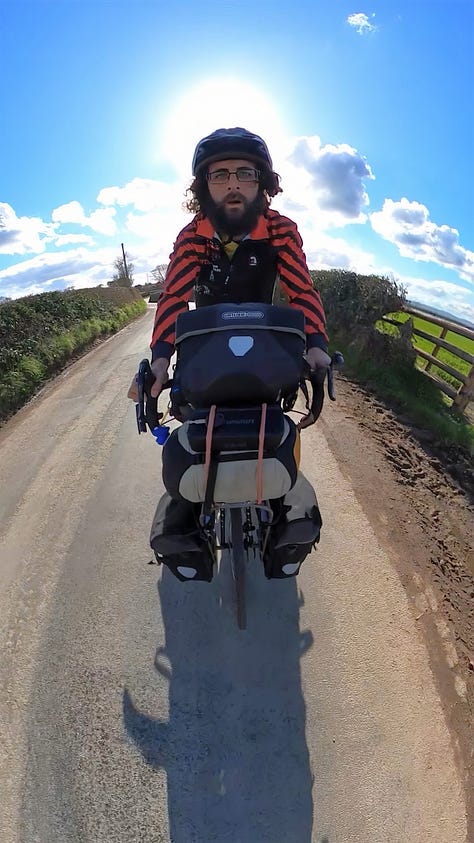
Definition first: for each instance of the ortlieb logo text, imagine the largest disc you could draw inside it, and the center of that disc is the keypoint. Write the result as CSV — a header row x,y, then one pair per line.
x,y
243,314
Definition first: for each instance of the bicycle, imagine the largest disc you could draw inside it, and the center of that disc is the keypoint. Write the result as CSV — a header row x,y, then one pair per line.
x,y
241,528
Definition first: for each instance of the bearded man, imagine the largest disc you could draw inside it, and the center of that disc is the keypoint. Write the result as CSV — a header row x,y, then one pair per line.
x,y
235,248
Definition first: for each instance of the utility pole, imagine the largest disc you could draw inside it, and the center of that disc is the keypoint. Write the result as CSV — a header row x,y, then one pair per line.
x,y
125,263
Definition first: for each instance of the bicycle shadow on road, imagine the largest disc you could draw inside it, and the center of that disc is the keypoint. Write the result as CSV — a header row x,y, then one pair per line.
x,y
234,748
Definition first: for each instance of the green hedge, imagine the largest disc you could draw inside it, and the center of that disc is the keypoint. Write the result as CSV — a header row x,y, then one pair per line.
x,y
39,334
384,363
353,302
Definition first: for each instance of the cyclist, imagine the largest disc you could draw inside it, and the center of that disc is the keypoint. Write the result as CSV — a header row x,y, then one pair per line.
x,y
234,250
234,231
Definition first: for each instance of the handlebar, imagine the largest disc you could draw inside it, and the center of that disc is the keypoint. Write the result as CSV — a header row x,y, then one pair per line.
x,y
147,406
316,379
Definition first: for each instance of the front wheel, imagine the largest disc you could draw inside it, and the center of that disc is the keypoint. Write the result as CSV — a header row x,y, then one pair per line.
x,y
238,564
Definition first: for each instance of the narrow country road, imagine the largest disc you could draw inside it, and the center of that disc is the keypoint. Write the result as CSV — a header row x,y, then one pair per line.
x,y
132,709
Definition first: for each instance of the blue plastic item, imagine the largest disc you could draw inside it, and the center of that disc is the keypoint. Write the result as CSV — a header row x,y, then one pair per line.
x,y
161,434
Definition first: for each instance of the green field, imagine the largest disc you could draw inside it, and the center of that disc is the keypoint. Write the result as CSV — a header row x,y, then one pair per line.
x,y
425,345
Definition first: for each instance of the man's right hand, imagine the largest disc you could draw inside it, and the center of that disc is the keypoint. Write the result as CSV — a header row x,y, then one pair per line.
x,y
159,367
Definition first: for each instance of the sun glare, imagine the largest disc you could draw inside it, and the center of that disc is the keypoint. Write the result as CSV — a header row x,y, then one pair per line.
x,y
213,104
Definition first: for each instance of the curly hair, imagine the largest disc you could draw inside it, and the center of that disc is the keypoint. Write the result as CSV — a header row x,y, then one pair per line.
x,y
198,202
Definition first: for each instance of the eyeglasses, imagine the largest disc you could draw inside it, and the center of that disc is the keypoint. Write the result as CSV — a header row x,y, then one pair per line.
x,y
242,173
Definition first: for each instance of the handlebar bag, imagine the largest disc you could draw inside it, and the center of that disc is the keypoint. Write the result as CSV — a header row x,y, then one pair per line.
x,y
235,354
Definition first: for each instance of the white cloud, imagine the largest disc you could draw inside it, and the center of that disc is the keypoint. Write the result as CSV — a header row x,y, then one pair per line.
x,y
143,194
160,229
20,235
361,23
443,295
324,187
72,212
408,225
76,267
327,252
329,179
100,221
72,240
156,212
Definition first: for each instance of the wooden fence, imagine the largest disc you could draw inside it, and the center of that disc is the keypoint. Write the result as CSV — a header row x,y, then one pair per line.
x,y
462,396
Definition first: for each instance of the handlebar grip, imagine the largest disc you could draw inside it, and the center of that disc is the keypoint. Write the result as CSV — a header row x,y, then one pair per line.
x,y
147,407
151,413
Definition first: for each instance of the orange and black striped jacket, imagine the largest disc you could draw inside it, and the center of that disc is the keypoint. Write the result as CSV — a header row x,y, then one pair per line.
x,y
201,264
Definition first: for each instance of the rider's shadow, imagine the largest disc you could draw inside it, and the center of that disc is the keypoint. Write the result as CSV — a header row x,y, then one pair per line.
x,y
234,748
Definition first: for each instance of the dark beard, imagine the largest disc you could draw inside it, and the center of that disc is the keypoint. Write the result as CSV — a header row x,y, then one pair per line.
x,y
234,227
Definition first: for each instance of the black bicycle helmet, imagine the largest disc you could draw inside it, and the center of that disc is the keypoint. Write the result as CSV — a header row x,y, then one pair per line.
x,y
231,143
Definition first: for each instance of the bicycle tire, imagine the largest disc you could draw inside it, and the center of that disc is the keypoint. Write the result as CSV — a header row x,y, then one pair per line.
x,y
237,559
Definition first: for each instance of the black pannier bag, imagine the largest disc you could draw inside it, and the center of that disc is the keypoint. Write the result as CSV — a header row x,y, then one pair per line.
x,y
295,533
177,541
233,354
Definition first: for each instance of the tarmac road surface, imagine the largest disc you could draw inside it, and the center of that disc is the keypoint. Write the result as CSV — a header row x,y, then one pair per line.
x,y
131,706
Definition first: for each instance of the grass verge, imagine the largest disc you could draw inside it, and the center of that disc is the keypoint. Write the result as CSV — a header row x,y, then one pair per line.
x,y
409,392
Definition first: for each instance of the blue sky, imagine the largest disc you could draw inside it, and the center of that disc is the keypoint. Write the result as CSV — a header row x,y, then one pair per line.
x,y
368,111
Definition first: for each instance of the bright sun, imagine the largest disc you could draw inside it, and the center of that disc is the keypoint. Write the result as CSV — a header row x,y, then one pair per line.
x,y
213,104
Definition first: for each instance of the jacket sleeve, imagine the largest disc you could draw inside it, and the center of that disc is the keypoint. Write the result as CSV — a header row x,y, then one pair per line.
x,y
179,284
297,284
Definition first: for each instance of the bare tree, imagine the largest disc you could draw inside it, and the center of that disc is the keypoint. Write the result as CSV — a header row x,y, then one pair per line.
x,y
159,274
123,275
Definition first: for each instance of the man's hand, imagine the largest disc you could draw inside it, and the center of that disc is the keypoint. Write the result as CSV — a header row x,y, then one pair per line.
x,y
317,358
159,367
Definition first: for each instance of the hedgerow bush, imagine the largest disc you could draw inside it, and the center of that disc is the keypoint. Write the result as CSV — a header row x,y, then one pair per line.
x,y
27,324
353,305
353,301
38,334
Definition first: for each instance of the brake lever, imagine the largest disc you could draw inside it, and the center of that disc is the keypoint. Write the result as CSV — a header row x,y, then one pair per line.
x,y
317,378
331,391
337,362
